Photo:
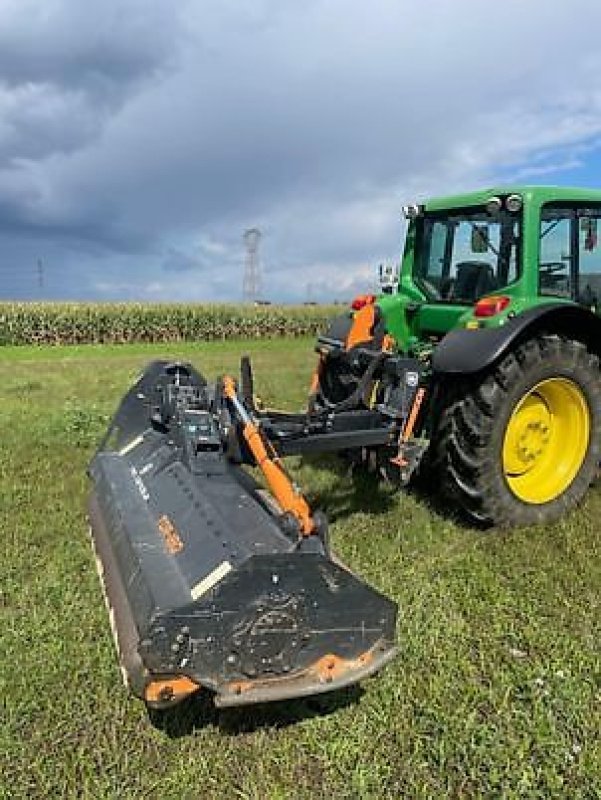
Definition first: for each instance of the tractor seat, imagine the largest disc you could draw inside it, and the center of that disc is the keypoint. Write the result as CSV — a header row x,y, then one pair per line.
x,y
474,279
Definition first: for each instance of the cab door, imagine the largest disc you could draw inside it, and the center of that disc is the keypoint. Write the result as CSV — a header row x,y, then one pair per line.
x,y
570,255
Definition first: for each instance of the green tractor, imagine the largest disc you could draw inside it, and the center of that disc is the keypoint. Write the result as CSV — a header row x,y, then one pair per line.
x,y
497,302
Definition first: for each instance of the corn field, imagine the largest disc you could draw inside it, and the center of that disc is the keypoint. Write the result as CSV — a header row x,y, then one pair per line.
x,y
120,323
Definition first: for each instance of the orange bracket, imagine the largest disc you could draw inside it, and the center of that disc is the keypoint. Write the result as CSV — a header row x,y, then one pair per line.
x,y
407,431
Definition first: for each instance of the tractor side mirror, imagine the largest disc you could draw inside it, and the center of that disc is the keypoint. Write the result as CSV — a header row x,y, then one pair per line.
x,y
479,238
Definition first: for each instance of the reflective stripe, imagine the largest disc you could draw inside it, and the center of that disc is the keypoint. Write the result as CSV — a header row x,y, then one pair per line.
x,y
212,579
130,445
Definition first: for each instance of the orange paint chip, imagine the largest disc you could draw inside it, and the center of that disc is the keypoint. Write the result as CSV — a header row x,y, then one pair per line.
x,y
173,543
170,689
388,343
330,667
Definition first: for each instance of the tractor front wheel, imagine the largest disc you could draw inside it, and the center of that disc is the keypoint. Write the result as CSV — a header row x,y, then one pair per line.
x,y
521,444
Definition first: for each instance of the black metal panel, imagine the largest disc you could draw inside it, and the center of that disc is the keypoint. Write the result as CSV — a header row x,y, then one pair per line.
x,y
338,329
123,623
464,351
275,616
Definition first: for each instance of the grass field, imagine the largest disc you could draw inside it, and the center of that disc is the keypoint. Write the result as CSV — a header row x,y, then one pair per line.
x,y
496,691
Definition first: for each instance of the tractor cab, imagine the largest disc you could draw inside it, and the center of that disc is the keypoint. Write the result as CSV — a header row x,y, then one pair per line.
x,y
475,259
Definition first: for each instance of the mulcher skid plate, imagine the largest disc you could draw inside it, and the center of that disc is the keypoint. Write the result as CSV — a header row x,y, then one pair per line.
x,y
206,584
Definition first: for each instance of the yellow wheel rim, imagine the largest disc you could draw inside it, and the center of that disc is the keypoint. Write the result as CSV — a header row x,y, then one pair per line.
x,y
546,440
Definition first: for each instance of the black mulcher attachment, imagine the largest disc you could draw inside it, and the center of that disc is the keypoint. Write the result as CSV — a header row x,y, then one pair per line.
x,y
210,580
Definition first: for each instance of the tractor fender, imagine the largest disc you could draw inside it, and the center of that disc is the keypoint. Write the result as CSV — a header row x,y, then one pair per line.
x,y
466,351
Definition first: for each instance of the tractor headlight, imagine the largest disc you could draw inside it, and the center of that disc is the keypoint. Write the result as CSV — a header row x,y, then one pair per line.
x,y
513,203
411,211
493,205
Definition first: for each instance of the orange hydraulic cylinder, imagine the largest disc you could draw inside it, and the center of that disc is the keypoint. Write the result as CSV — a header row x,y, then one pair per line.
x,y
281,486
284,492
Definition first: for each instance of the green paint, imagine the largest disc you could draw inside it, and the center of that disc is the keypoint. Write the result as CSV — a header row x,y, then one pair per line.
x,y
413,319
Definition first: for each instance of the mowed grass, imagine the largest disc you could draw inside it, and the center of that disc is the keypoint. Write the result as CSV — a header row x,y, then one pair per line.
x,y
495,692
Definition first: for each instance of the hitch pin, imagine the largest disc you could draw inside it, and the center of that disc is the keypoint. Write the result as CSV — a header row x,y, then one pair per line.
x,y
407,431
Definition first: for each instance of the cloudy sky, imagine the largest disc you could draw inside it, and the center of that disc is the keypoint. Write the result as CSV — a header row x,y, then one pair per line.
x,y
140,138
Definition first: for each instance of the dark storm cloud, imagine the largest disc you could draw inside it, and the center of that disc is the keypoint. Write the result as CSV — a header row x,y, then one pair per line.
x,y
140,141
66,69
79,44
66,66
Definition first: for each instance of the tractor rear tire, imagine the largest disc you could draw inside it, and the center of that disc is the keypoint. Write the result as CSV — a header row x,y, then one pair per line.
x,y
521,444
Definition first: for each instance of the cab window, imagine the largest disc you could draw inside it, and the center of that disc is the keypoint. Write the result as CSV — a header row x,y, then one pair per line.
x,y
556,271
570,255
467,255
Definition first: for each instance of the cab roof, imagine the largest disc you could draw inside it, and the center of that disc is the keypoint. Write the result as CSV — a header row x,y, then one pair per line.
x,y
530,194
